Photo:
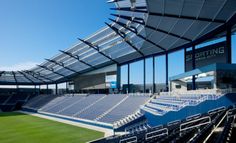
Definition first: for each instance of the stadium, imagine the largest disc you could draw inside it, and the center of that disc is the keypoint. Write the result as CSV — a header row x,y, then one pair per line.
x,y
158,71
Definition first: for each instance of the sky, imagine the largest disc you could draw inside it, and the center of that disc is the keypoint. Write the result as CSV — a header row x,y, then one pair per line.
x,y
32,30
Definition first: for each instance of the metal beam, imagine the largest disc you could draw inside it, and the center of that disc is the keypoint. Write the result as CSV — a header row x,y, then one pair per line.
x,y
229,44
62,65
77,58
118,77
113,1
193,67
52,70
204,38
56,88
129,78
38,74
27,77
167,72
144,75
170,15
97,49
142,22
2,72
153,75
134,30
209,35
125,39
14,75
137,8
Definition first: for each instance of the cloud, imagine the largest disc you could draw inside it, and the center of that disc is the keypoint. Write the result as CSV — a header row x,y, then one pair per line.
x,y
19,66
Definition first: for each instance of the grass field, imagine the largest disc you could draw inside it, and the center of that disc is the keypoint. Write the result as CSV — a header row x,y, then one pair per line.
x,y
21,128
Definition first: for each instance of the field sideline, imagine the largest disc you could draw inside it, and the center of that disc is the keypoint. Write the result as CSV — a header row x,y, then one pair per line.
x,y
22,128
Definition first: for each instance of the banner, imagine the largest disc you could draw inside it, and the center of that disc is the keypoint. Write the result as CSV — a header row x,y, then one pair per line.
x,y
216,53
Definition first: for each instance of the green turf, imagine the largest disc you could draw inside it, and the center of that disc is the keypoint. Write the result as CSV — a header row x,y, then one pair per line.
x,y
21,128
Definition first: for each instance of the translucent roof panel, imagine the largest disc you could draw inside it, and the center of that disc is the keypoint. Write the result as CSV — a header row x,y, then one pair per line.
x,y
137,28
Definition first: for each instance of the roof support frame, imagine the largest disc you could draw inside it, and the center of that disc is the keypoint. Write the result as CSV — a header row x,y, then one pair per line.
x,y
77,58
38,74
134,30
208,35
14,75
204,38
127,41
62,65
137,20
137,8
170,15
32,74
229,43
52,70
1,73
113,1
97,49
27,77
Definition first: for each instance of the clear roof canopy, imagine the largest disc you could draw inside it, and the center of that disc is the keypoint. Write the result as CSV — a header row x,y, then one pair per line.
x,y
138,28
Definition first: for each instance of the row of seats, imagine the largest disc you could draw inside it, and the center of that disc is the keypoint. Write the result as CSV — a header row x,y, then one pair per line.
x,y
13,99
97,107
192,129
39,101
127,119
140,126
3,99
165,103
126,108
7,108
10,102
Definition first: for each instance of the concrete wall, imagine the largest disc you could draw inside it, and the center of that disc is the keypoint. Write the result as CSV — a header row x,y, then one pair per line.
x,y
178,82
94,81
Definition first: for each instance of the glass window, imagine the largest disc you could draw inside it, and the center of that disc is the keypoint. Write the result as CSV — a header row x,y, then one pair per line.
x,y
124,78
160,73
233,48
210,42
136,77
149,75
176,63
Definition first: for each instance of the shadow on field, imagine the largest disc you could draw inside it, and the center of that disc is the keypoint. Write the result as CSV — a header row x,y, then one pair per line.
x,y
7,114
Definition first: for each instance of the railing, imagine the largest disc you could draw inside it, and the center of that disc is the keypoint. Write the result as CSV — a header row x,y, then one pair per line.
x,y
156,133
216,110
231,113
201,91
140,94
203,121
173,122
193,117
129,140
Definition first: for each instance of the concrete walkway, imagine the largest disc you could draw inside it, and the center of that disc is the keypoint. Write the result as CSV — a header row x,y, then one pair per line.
x,y
107,132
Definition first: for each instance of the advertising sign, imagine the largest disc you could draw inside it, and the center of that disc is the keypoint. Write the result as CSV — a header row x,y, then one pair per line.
x,y
111,81
216,53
